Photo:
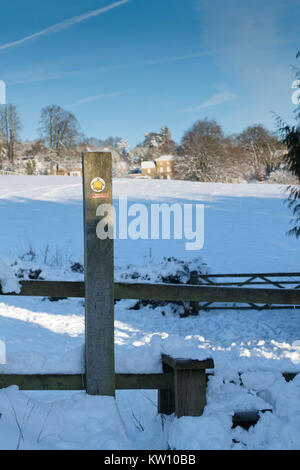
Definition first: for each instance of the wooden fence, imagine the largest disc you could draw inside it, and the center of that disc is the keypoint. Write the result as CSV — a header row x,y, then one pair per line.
x,y
167,292
274,280
182,385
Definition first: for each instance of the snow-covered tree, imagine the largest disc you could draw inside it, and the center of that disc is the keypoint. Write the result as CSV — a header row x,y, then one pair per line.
x,y
200,148
167,146
159,143
122,148
263,147
290,135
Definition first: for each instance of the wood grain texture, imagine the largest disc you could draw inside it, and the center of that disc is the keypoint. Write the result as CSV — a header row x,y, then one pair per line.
x,y
78,381
183,364
190,392
99,279
171,292
166,397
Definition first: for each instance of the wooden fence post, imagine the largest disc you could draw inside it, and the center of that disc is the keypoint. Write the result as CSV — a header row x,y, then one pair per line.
x,y
194,280
166,398
99,275
188,396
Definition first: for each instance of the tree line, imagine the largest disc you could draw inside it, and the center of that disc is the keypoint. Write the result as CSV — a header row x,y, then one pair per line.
x,y
59,129
206,154
203,154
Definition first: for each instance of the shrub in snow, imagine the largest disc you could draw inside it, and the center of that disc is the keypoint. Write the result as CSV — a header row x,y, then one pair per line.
x,y
169,271
50,265
281,175
47,265
8,280
77,268
44,266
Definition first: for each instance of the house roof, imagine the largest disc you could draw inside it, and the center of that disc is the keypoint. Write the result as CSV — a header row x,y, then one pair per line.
x,y
148,164
165,158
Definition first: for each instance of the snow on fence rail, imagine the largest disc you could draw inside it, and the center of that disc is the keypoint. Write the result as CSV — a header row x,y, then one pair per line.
x,y
182,385
167,292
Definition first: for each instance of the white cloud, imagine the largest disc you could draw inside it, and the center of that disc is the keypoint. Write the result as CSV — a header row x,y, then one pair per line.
x,y
63,25
213,101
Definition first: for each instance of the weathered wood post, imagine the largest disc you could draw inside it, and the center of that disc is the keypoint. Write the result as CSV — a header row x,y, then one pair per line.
x,y
188,395
194,280
99,274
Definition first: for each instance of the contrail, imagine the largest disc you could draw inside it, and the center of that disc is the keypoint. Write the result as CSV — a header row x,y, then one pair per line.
x,y
63,25
99,97
213,101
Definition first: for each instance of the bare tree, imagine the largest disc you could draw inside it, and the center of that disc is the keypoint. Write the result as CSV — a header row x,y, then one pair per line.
x,y
2,139
59,128
263,147
37,147
10,125
201,150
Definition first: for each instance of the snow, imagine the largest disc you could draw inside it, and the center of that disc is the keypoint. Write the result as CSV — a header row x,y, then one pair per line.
x,y
245,231
8,280
239,221
80,421
208,432
147,164
165,158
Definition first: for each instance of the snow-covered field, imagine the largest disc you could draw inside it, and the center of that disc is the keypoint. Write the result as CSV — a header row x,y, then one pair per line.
x,y
245,231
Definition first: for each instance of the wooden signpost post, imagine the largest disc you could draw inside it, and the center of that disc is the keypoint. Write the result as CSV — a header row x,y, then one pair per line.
x,y
99,275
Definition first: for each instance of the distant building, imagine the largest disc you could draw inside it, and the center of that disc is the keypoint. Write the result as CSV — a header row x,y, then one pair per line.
x,y
148,168
165,166
162,167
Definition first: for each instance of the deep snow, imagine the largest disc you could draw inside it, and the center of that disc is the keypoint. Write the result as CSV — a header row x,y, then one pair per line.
x,y
245,231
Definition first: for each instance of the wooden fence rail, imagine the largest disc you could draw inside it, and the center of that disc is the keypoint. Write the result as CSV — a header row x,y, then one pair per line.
x,y
274,280
78,381
251,279
167,292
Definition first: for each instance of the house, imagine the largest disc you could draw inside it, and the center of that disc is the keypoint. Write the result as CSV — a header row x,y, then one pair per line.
x,y
165,167
148,169
161,168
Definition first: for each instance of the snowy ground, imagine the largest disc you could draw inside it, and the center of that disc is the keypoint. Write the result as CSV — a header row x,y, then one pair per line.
x,y
245,228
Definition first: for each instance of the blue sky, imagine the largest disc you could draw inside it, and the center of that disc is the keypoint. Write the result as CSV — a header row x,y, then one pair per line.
x,y
128,67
